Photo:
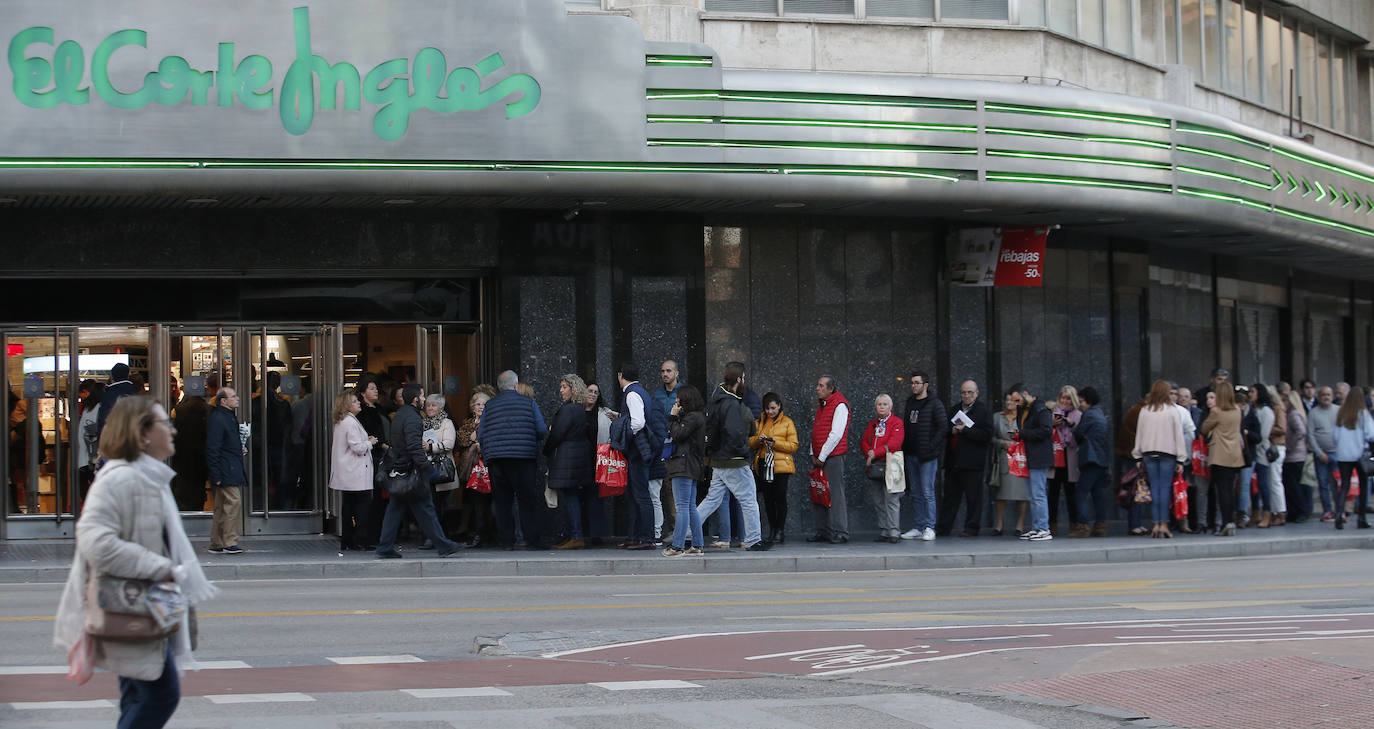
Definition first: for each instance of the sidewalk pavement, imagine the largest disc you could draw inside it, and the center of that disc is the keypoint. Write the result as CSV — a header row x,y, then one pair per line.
x,y
317,556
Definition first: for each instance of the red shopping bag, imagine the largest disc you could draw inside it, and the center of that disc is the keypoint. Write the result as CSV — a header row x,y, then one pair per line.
x,y
1180,496
1016,459
820,487
1201,468
1061,458
480,480
611,473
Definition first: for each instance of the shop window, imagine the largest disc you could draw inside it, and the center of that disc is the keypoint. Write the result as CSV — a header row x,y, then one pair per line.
x,y
1172,53
1234,44
973,9
1190,42
1090,21
1116,16
1307,74
1064,17
901,9
1211,43
742,6
818,7
1277,62
1151,38
1250,24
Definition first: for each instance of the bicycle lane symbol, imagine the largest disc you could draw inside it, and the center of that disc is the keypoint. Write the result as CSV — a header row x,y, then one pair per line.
x,y
857,655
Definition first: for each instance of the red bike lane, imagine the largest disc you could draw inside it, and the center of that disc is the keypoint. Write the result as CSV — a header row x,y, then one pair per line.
x,y
847,651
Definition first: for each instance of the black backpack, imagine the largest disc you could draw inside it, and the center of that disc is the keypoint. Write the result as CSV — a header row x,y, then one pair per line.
x,y
728,427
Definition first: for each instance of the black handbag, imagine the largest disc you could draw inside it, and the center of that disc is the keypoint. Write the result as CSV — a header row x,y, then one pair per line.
x,y
444,469
1271,454
400,483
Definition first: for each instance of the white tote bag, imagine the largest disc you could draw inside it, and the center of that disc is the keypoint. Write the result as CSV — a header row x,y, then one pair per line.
x,y
895,473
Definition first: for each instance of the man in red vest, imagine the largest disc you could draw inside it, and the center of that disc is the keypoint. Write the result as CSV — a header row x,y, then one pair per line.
x,y
829,443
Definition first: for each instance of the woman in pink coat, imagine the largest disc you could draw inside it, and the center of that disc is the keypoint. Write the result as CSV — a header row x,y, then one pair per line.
x,y
351,471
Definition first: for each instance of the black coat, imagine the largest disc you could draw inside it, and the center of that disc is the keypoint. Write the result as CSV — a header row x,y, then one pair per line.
x,y
407,442
568,448
1037,431
688,432
969,449
224,448
926,426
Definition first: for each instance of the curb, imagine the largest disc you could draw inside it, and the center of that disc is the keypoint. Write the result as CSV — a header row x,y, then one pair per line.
x,y
556,565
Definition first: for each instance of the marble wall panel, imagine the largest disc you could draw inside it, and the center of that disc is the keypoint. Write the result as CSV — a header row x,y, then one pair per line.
x,y
774,324
548,334
658,311
729,313
968,339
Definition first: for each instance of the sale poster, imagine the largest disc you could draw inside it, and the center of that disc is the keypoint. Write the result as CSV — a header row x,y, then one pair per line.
x,y
997,256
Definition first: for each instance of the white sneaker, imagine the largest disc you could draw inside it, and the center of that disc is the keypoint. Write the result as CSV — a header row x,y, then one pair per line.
x,y
911,534
1041,536
928,535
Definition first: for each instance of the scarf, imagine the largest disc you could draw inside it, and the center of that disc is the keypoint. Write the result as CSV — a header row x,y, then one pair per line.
x,y
70,625
435,422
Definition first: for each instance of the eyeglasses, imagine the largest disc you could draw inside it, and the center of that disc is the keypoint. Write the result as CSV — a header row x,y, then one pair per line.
x,y
163,421
916,382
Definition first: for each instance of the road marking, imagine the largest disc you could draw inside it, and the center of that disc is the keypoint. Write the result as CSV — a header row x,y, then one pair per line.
x,y
1228,636
220,665
373,660
36,705
644,685
997,637
808,650
455,693
257,698
1097,586
31,670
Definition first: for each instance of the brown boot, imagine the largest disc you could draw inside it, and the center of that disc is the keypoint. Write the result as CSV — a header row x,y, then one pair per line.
x,y
1099,529
1278,519
1263,520
1079,531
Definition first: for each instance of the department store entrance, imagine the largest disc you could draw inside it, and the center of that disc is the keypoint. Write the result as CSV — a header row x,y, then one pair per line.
x,y
287,376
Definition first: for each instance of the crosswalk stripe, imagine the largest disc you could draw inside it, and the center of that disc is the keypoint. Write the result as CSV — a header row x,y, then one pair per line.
x,y
257,698
32,705
455,693
642,685
370,660
221,665
31,670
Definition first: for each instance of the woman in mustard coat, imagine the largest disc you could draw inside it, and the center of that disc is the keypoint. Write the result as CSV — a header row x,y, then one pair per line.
x,y
775,441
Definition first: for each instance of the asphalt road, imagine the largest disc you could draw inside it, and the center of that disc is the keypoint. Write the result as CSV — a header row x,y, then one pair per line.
x,y
316,624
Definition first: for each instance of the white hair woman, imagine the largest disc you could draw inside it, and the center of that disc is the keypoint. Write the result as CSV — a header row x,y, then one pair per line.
x,y
883,435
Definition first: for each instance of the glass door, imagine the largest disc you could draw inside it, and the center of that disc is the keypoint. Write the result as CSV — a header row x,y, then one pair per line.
x,y
282,429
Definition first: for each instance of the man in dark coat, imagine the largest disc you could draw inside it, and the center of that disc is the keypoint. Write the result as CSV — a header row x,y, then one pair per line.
x,y
968,457
120,386
510,437
1094,463
1037,432
927,427
224,454
407,453
190,419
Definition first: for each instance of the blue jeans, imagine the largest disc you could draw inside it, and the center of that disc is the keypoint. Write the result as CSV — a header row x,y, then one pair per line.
x,y
730,522
1243,483
920,480
422,508
1039,499
685,499
740,482
641,504
1326,479
1160,471
1262,473
1091,495
150,704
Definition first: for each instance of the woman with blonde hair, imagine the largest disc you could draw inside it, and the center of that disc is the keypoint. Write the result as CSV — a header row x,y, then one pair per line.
x,y
572,472
1354,433
476,505
130,528
350,472
1224,453
1297,495
1066,413
1160,452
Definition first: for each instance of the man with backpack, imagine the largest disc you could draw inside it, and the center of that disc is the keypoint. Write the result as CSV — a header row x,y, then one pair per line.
x,y
729,424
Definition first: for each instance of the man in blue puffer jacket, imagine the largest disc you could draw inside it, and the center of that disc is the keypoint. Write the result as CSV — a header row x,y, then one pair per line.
x,y
510,437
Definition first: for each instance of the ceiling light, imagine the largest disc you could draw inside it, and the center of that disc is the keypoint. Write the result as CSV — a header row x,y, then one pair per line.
x,y
977,210
592,203
789,205
7,200
400,201
203,200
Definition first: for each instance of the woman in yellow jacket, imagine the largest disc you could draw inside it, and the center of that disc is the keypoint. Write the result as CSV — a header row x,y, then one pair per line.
x,y
774,443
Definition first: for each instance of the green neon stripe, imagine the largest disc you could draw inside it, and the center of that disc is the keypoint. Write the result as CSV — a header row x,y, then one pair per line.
x,y
1324,165
1148,121
1286,212
803,97
1225,156
1078,158
1072,137
99,164
1077,181
946,176
1223,176
789,122
822,146
1222,134
671,60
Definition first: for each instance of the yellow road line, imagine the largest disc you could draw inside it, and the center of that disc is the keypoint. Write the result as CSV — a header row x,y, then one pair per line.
x,y
747,603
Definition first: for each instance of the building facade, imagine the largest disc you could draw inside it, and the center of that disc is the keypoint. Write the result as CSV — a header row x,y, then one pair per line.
x,y
439,191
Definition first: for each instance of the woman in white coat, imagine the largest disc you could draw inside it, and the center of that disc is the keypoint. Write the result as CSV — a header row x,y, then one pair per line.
x,y
350,472
130,528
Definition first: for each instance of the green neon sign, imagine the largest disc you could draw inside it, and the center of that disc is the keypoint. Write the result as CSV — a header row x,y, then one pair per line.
x,y
400,86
